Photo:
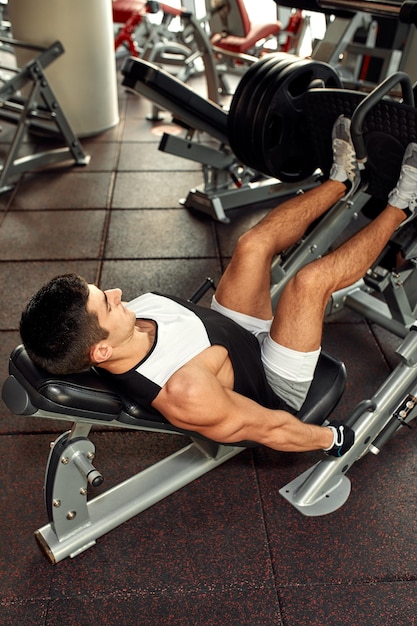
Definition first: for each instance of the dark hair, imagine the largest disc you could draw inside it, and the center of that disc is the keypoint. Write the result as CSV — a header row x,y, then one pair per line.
x,y
56,328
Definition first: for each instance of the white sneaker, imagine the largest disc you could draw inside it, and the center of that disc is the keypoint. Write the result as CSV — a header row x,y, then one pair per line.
x,y
345,167
404,194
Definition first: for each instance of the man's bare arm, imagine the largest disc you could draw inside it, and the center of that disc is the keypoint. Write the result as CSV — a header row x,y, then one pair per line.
x,y
194,399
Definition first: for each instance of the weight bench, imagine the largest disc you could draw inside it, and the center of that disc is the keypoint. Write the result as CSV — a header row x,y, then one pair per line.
x,y
162,45
87,400
232,30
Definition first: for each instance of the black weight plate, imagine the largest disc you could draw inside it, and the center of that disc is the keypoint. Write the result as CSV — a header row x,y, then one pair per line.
x,y
284,136
257,67
271,88
268,83
248,113
250,78
243,103
238,119
255,91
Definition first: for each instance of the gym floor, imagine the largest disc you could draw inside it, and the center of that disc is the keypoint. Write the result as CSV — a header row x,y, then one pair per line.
x,y
228,549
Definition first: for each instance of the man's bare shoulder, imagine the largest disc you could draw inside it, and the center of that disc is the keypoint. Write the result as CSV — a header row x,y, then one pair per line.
x,y
195,381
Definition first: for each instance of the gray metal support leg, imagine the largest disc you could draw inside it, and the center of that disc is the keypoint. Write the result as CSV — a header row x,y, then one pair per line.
x,y
76,523
325,487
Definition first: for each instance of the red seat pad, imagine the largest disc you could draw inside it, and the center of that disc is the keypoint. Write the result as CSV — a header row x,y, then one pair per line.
x,y
243,44
123,9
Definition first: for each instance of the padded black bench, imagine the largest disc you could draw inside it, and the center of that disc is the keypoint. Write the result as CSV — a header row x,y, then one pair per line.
x,y
87,400
29,391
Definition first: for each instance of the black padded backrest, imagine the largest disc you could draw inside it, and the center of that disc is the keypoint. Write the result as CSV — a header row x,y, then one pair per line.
x,y
388,128
81,395
88,395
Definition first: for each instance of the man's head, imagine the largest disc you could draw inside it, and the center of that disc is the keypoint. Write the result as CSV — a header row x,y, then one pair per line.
x,y
56,327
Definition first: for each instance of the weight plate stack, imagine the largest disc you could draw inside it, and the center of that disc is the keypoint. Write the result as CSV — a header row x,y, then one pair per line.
x,y
245,103
267,126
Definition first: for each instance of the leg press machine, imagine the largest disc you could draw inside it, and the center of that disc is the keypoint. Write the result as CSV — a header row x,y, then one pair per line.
x,y
382,123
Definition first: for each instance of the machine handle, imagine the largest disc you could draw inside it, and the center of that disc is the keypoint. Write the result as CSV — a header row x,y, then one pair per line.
x,y
87,469
373,98
208,284
398,419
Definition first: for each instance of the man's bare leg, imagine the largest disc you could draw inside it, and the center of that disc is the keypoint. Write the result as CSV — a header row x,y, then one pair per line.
x,y
300,311
245,284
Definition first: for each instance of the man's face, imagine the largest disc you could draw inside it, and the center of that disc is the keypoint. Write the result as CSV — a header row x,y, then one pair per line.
x,y
112,314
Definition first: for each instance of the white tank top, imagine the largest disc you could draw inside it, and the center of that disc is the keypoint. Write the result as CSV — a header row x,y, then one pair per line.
x,y
180,336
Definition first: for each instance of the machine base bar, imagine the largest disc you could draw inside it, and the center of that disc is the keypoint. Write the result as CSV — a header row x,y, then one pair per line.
x,y
215,203
124,501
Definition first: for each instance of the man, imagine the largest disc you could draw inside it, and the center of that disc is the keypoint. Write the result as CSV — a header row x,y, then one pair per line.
x,y
229,380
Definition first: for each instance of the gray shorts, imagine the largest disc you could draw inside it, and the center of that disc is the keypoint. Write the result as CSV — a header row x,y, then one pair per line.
x,y
288,372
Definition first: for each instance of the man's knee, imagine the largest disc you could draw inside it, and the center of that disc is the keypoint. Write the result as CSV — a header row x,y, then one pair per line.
x,y
311,280
251,243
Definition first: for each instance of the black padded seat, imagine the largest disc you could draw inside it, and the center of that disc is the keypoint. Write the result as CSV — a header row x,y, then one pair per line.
x,y
29,389
170,93
326,390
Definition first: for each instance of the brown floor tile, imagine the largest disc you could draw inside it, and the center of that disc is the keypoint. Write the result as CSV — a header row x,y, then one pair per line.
x,y
68,188
180,277
19,281
233,607
140,129
136,156
392,602
104,155
37,235
150,190
30,612
111,134
159,234
25,574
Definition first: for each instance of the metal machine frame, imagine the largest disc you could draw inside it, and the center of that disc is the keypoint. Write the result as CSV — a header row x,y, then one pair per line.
x,y
39,110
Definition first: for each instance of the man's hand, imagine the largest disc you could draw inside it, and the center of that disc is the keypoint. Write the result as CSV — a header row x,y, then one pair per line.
x,y
344,438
